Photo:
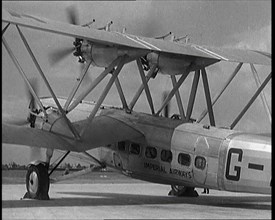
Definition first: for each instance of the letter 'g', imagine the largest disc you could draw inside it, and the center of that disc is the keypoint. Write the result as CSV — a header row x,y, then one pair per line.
x,y
236,168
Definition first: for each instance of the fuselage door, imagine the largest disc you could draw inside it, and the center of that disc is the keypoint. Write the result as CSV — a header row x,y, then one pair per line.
x,y
200,160
121,155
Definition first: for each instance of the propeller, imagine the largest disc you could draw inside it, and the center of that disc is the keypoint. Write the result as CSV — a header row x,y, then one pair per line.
x,y
35,152
72,14
32,107
8,119
61,53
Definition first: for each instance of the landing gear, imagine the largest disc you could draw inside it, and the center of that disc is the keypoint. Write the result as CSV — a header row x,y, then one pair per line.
x,y
183,191
37,182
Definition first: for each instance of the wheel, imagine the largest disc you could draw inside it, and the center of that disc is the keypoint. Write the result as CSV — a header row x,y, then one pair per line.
x,y
183,191
178,189
37,182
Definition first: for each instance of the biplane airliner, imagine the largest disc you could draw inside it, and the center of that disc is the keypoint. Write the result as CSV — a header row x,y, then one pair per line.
x,y
176,150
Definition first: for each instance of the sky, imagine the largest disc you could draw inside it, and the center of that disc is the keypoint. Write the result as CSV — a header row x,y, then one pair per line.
x,y
239,24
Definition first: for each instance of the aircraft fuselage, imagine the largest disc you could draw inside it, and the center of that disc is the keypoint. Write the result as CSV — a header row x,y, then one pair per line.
x,y
192,154
176,152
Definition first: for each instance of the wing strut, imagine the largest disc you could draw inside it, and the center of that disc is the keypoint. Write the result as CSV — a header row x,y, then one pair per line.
x,y
140,89
104,93
5,28
207,97
192,95
146,88
59,162
173,91
178,98
258,83
121,94
71,127
92,85
217,96
78,82
259,90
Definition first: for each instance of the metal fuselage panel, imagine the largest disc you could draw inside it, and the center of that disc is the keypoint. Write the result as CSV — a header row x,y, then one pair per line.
x,y
213,156
200,156
247,164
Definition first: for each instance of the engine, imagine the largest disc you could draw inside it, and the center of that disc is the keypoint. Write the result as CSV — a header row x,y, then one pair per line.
x,y
177,64
104,55
169,64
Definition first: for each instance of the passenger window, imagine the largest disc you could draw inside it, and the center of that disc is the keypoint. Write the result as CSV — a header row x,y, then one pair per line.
x,y
134,148
166,156
121,146
200,162
151,152
184,159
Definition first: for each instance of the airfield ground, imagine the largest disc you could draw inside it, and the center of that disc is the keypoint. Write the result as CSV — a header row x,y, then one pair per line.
x,y
108,195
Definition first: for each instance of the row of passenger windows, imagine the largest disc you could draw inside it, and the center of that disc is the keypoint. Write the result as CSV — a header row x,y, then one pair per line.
x,y
165,155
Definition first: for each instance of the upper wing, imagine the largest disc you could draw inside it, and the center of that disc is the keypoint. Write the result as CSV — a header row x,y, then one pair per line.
x,y
143,43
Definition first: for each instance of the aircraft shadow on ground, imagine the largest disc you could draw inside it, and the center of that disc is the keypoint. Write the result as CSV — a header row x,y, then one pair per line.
x,y
118,199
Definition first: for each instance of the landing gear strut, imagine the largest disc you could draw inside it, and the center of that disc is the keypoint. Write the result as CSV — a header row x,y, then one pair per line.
x,y
183,191
37,182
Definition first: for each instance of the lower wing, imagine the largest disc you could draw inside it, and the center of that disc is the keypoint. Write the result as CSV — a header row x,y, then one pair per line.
x,y
20,135
103,131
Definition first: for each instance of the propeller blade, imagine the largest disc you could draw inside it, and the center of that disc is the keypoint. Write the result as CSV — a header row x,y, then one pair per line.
x,y
60,54
19,121
14,121
35,153
72,15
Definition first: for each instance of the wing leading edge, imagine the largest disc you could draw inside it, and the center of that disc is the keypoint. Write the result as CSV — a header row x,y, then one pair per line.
x,y
136,42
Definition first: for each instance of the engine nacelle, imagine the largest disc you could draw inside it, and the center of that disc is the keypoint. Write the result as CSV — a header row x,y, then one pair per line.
x,y
169,64
173,64
103,55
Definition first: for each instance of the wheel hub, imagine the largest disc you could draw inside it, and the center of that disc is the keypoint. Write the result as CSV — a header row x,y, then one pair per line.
x,y
33,182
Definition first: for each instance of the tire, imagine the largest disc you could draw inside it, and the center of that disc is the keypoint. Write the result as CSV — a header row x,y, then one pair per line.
x,y
178,189
37,182
183,191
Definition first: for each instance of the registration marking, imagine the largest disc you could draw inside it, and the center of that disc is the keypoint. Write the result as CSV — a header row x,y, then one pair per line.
x,y
255,166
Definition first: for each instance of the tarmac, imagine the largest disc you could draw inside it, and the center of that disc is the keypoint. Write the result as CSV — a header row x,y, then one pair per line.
x,y
131,201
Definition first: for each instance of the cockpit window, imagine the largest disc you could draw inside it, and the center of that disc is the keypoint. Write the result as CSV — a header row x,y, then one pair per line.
x,y
184,159
166,156
200,162
135,148
151,152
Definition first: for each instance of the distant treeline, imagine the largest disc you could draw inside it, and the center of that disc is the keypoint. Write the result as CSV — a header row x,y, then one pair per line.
x,y
15,166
